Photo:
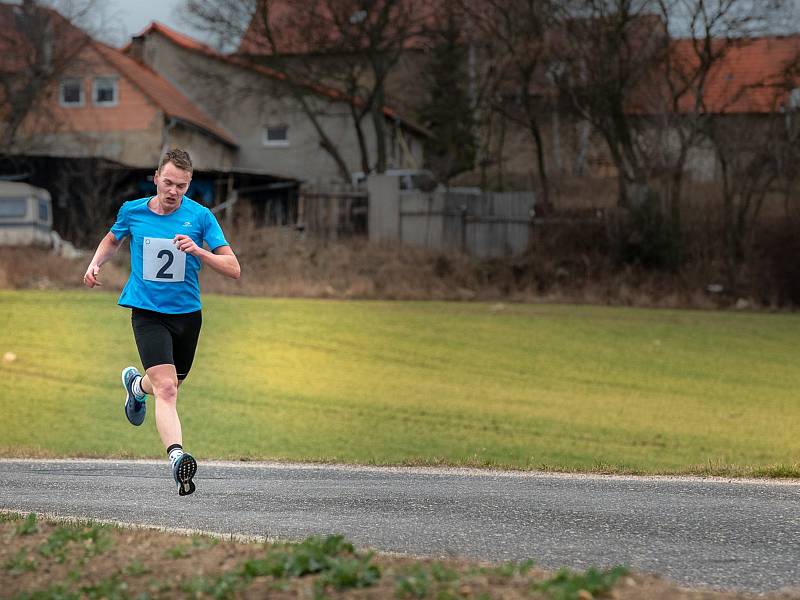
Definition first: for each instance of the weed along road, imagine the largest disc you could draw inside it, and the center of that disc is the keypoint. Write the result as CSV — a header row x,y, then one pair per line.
x,y
729,534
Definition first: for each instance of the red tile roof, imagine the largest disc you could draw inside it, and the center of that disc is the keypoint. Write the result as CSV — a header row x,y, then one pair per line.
x,y
750,78
165,95
294,31
179,38
753,76
69,41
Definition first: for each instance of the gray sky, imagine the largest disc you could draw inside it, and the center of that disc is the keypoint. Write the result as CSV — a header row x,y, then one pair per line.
x,y
115,21
125,18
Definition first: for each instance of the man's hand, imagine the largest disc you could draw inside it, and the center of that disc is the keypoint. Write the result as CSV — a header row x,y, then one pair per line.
x,y
91,275
186,244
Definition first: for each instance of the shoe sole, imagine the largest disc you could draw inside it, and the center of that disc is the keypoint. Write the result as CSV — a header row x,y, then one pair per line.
x,y
186,470
128,397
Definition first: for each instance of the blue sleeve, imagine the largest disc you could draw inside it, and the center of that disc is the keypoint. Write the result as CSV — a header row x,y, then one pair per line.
x,y
212,232
122,226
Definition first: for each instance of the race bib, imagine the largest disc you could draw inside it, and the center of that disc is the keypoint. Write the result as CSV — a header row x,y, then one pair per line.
x,y
162,261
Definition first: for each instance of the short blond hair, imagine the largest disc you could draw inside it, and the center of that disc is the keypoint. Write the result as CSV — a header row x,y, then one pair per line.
x,y
178,157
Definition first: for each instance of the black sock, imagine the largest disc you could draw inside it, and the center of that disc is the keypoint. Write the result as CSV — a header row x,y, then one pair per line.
x,y
175,451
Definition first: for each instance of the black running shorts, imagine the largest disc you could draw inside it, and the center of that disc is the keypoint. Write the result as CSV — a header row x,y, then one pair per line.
x,y
164,339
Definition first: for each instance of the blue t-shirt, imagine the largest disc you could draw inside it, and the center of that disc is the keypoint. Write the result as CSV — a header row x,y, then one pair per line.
x,y
163,278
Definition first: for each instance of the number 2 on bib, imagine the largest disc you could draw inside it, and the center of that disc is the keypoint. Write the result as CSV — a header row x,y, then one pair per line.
x,y
162,261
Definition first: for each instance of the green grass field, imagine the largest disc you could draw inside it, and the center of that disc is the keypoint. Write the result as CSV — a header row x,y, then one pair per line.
x,y
522,386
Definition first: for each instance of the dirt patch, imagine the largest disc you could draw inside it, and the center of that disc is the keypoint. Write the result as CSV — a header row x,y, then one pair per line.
x,y
51,559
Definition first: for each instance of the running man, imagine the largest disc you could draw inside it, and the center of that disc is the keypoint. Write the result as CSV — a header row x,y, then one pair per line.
x,y
166,234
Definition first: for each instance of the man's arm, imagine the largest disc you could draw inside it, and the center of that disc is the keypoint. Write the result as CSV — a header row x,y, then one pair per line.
x,y
105,250
222,259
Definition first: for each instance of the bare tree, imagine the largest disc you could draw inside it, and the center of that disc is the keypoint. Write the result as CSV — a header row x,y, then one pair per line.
x,y
647,93
785,140
37,45
680,91
449,109
348,45
759,157
83,187
748,170
516,32
699,107
234,22
607,50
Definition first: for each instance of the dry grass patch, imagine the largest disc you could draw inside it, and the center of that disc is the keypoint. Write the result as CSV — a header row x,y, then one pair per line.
x,y
281,262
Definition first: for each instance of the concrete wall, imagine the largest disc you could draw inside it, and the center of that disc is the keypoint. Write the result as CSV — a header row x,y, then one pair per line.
x,y
423,220
204,153
135,149
383,220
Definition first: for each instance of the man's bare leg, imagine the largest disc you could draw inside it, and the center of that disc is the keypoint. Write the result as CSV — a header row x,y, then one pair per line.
x,y
162,382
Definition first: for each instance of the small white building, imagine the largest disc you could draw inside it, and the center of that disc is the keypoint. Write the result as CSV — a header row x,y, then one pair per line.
x,y
26,215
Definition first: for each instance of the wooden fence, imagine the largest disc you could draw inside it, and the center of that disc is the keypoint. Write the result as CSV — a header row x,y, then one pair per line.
x,y
333,212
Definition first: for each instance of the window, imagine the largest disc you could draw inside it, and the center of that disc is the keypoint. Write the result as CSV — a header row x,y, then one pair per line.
x,y
13,208
71,93
276,136
104,91
44,211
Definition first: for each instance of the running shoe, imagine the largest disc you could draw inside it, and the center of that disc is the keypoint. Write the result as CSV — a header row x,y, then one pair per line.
x,y
135,407
183,470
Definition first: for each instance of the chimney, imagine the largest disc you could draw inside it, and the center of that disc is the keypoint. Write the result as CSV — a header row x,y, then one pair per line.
x,y
136,50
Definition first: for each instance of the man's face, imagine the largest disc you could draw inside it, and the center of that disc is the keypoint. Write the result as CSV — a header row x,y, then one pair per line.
x,y
171,185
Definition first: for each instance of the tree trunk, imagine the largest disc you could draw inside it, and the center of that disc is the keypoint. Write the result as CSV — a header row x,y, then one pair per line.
x,y
325,141
546,204
676,226
379,122
358,116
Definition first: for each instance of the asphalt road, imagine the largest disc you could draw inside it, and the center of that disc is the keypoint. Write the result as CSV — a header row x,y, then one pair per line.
x,y
698,532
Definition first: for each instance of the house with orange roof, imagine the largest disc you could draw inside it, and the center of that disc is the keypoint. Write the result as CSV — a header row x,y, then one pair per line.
x,y
748,85
755,76
752,86
749,94
97,107
101,103
270,117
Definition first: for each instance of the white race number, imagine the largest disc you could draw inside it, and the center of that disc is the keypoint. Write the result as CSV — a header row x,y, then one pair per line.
x,y
162,261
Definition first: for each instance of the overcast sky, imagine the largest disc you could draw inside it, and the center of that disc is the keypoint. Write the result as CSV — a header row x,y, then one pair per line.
x,y
121,19
125,18
115,21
